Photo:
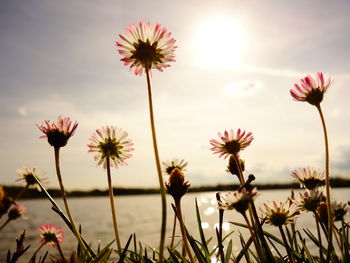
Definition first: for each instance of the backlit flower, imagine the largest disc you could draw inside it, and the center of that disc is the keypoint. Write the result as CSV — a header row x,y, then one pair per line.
x,y
177,186
340,209
231,143
311,89
17,211
50,234
310,200
238,200
110,142
146,46
27,175
58,133
169,166
279,213
309,177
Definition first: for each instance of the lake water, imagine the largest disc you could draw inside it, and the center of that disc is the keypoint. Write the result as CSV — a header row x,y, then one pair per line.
x,y
135,214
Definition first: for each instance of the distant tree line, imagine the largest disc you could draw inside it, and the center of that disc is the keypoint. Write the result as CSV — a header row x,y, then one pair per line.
x,y
34,193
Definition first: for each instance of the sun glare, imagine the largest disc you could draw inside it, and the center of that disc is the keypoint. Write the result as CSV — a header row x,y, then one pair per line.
x,y
219,43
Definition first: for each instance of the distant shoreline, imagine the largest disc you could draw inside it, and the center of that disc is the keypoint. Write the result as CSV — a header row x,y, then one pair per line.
x,y
34,193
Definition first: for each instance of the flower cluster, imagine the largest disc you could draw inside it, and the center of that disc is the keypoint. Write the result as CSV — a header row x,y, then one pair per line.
x,y
238,200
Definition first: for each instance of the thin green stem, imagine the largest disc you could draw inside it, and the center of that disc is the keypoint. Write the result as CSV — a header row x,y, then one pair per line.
x,y
328,186
159,170
319,237
111,199
5,223
183,231
286,245
65,201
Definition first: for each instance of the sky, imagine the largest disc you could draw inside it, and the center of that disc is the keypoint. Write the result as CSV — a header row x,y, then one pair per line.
x,y
235,64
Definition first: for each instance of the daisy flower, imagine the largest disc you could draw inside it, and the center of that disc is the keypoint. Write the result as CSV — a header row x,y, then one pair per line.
x,y
238,200
311,89
146,47
169,166
17,211
309,177
50,234
58,133
110,142
310,200
231,143
279,213
177,186
340,209
27,175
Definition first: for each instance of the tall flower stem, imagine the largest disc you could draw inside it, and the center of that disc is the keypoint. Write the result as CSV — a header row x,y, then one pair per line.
x,y
291,260
328,187
111,199
319,237
65,201
183,231
159,170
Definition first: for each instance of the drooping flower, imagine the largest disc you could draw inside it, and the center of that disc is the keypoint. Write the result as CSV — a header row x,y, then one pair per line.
x,y
238,200
58,133
310,200
311,89
17,211
232,143
279,213
27,174
51,234
177,186
146,47
110,142
169,166
340,209
309,177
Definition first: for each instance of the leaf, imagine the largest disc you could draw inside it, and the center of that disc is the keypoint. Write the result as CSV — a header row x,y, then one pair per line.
x,y
228,252
201,233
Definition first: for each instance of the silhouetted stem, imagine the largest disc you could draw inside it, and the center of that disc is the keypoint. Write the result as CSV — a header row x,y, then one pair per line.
x,y
254,236
60,251
319,237
36,252
20,193
173,234
286,245
328,186
183,231
65,201
240,172
111,199
4,224
160,177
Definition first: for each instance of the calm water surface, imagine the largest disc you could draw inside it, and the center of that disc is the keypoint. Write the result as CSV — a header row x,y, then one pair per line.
x,y
136,214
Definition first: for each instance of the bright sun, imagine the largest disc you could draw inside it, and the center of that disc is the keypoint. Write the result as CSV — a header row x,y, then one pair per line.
x,y
219,43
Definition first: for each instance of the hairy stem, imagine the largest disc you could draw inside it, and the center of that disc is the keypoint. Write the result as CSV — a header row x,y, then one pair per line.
x,y
111,199
160,177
